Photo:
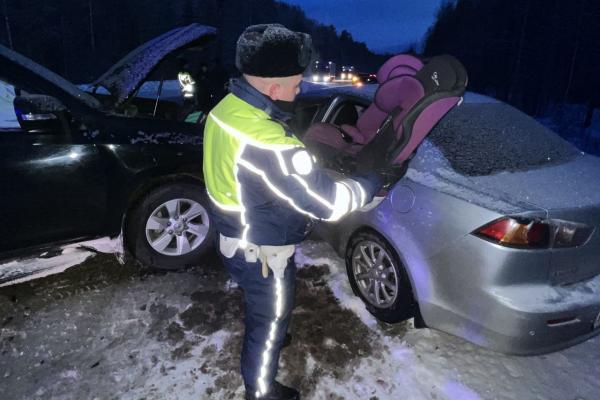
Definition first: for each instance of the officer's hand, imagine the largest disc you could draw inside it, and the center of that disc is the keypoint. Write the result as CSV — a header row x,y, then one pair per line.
x,y
392,174
371,182
376,180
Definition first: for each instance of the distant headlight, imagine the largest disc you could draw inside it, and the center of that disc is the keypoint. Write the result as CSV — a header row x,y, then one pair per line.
x,y
315,78
343,76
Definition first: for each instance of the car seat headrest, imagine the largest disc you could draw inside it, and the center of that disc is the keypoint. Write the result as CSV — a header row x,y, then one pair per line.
x,y
405,60
401,70
442,74
397,92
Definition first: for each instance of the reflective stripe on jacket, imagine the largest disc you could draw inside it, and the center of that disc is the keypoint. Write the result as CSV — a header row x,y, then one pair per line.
x,y
263,183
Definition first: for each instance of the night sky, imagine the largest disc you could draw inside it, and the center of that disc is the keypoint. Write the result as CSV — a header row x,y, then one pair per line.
x,y
379,23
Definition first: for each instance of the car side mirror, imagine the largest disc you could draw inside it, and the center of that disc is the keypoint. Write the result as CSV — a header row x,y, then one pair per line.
x,y
41,114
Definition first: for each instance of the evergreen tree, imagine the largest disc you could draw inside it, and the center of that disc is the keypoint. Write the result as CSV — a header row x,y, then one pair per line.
x,y
81,39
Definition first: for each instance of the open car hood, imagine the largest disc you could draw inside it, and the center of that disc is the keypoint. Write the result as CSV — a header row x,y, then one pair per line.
x,y
14,58
125,77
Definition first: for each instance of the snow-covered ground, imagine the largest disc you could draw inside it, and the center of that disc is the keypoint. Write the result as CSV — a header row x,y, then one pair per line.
x,y
426,364
103,330
56,261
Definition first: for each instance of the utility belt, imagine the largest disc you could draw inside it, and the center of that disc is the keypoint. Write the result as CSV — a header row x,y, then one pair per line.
x,y
274,257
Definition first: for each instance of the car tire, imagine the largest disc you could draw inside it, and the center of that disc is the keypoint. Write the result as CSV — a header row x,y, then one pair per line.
x,y
158,227
367,278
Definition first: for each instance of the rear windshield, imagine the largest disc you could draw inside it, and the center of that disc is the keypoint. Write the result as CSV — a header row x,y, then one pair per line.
x,y
483,139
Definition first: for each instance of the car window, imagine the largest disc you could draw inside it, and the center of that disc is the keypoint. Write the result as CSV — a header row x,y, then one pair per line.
x,y
304,116
8,93
483,139
163,100
347,113
185,94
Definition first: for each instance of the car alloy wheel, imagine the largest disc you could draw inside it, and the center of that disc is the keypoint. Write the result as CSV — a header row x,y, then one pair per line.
x,y
374,273
177,227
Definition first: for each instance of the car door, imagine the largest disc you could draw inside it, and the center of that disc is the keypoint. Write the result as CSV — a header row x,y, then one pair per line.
x,y
52,184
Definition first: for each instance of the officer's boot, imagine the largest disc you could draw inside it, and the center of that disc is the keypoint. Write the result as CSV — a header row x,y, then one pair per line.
x,y
276,392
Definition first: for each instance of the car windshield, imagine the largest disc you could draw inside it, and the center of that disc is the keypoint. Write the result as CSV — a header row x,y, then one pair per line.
x,y
484,139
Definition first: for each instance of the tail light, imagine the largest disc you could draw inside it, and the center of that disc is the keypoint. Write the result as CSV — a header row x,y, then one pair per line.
x,y
535,234
571,234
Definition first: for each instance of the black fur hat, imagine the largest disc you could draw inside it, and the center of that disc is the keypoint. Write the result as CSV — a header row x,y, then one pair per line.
x,y
272,50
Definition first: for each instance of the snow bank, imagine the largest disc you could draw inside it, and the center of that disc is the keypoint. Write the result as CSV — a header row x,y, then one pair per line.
x,y
54,262
24,270
8,119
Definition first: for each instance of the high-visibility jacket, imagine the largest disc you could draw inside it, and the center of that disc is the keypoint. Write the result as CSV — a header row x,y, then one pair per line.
x,y
264,185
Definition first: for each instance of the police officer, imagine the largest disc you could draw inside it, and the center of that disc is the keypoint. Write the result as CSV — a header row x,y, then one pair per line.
x,y
265,189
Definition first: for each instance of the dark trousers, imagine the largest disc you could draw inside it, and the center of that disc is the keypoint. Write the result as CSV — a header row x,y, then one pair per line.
x,y
269,303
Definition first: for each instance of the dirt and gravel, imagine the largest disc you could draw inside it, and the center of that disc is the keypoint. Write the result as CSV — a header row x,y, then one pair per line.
x,y
105,330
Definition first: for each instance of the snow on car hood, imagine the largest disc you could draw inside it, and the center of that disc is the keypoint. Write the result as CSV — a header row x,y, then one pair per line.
x,y
123,78
70,88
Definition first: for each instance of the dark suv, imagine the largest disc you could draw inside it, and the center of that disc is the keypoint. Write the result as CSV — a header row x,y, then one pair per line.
x,y
122,155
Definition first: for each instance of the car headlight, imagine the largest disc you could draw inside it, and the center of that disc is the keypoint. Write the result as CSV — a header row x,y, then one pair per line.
x,y
343,76
315,78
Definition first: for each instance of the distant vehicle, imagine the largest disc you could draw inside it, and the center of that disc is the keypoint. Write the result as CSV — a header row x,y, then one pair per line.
x,y
364,78
347,74
492,235
323,72
81,164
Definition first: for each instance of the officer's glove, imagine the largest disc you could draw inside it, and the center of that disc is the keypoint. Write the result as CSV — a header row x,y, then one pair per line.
x,y
378,182
371,182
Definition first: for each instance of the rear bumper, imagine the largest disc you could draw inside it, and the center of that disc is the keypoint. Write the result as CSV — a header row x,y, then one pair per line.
x,y
502,299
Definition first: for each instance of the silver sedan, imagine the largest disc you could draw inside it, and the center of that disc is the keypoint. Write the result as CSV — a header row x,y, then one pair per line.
x,y
491,235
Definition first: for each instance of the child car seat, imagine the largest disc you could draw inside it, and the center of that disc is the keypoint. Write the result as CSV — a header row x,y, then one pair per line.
x,y
410,100
343,137
427,96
